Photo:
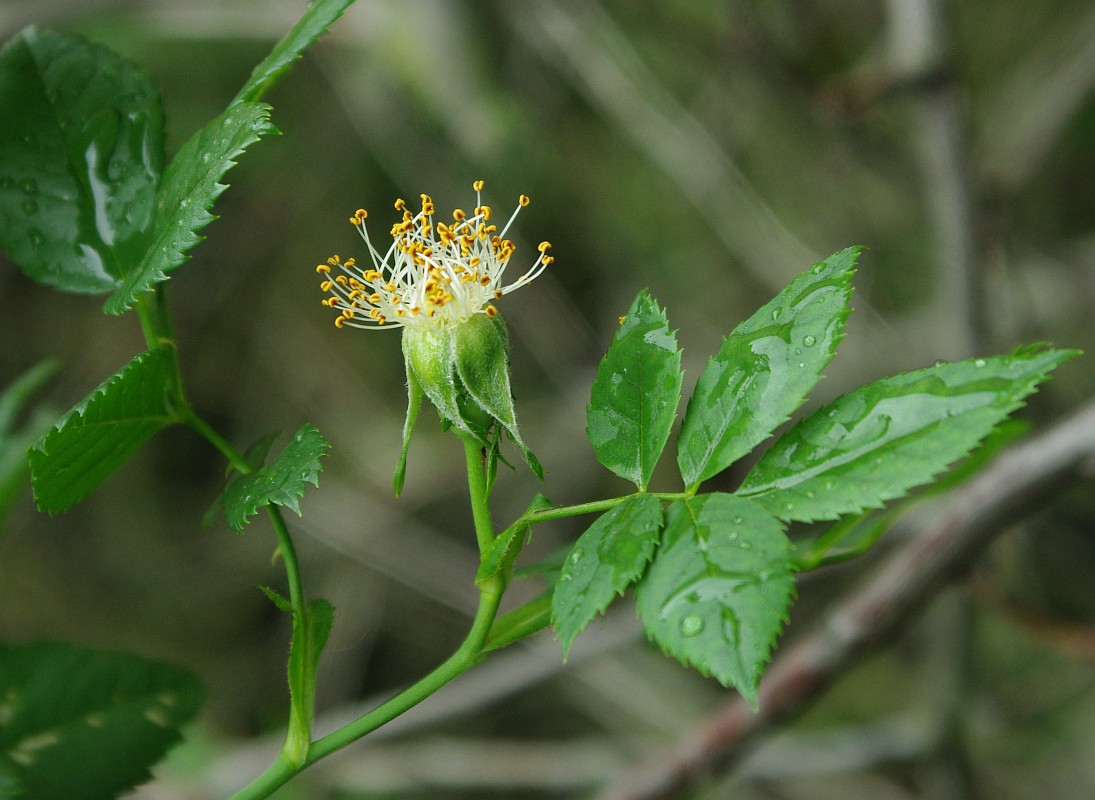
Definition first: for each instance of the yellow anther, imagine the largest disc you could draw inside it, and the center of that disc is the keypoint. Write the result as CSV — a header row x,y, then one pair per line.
x,y
485,280
523,200
543,247
498,294
322,268
341,280
400,204
478,186
340,321
490,311
326,286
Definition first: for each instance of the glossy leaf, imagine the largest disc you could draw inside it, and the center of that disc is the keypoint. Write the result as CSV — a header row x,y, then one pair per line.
x,y
310,636
81,153
318,16
877,442
764,369
282,482
717,594
80,724
97,436
609,557
190,186
635,396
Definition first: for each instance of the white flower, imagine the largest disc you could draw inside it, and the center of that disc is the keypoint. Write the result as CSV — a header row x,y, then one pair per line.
x,y
434,275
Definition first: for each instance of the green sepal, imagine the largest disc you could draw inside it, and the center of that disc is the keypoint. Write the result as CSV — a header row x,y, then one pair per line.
x,y
414,405
480,352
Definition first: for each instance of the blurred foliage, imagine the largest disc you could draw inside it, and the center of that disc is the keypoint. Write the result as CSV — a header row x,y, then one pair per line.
x,y
708,151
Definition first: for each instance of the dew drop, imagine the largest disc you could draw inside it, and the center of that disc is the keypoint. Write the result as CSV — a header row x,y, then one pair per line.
x,y
206,158
809,340
818,268
36,237
745,545
801,364
775,313
739,519
691,625
810,494
29,186
576,555
564,578
764,575
29,207
939,362
979,362
733,537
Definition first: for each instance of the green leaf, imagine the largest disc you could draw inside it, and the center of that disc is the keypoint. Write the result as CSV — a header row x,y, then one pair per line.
x,y
309,638
190,185
765,368
635,396
506,547
14,467
80,724
414,405
81,152
606,559
717,594
282,482
318,16
877,442
97,436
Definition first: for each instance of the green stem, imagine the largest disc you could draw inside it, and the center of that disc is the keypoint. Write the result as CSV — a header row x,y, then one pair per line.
x,y
477,490
471,652
593,507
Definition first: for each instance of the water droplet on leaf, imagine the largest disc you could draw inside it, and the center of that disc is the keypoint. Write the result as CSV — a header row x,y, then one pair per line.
x,y
979,362
576,555
29,207
809,340
691,625
29,186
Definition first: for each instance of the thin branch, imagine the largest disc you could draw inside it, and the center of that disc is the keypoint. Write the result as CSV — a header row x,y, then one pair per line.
x,y
1018,483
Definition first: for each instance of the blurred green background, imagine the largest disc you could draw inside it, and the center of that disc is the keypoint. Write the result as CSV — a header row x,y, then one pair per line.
x,y
708,151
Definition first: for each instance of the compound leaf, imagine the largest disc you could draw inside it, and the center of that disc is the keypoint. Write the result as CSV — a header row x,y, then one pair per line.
x,y
879,441
635,396
717,593
281,482
81,153
764,369
80,724
106,428
606,559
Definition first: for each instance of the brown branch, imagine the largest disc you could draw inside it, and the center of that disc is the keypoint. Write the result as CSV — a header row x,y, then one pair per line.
x,y
1018,483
